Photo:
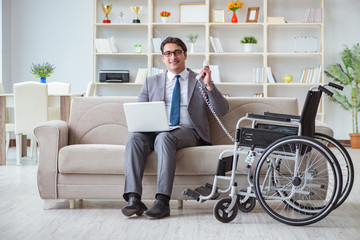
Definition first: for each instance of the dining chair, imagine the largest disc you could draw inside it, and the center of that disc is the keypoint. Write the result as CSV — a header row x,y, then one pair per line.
x,y
55,88
31,109
9,127
90,91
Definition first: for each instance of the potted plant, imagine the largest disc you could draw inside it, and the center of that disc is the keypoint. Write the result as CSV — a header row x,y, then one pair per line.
x,y
348,75
42,71
192,40
165,16
248,42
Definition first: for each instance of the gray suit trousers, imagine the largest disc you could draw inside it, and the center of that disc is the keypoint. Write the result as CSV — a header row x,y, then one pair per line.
x,y
165,144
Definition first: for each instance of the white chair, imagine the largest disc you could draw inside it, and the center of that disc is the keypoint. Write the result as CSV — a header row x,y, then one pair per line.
x,y
31,109
53,89
9,127
90,91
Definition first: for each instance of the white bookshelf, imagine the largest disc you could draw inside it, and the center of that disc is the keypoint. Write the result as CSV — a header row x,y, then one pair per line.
x,y
275,46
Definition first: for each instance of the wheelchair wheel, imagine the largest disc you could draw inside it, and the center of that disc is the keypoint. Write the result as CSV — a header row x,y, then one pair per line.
x,y
297,180
345,162
247,206
220,211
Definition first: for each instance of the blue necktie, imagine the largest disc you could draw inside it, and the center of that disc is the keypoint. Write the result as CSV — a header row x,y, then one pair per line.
x,y
175,104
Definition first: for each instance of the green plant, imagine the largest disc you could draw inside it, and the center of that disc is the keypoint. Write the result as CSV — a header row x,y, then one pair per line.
x,y
348,75
42,71
249,39
192,38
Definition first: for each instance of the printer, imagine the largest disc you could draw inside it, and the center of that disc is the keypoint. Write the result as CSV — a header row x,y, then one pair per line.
x,y
115,76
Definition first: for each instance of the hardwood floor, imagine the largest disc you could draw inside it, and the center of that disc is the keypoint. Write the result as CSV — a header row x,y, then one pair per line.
x,y
22,216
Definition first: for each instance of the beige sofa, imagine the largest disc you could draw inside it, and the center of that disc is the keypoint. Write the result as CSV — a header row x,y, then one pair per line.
x,y
84,159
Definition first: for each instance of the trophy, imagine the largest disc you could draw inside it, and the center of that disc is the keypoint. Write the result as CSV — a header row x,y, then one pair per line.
x,y
136,10
107,9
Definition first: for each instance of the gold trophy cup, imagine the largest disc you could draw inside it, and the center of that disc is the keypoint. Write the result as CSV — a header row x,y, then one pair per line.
x,y
136,10
107,9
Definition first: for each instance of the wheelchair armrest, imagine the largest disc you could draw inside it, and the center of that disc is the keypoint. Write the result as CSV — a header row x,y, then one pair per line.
x,y
295,117
268,117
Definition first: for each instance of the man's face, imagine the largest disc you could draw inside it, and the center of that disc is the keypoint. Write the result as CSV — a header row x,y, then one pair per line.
x,y
175,63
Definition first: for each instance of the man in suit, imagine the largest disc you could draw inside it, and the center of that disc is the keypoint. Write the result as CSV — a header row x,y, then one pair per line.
x,y
194,127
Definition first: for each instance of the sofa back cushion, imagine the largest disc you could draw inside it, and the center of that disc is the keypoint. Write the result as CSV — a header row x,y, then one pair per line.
x,y
101,120
239,106
98,120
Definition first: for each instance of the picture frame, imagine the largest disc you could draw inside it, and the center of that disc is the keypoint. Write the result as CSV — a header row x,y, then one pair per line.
x,y
192,13
218,16
252,15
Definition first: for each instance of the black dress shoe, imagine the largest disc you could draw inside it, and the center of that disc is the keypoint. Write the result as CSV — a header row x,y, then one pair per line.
x,y
135,207
158,210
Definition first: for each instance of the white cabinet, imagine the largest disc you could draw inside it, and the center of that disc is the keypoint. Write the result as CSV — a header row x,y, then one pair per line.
x,y
275,48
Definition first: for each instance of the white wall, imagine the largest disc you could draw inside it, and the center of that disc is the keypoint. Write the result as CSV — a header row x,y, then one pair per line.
x,y
61,32
342,20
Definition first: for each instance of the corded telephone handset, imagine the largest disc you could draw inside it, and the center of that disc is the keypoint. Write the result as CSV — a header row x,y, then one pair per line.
x,y
198,77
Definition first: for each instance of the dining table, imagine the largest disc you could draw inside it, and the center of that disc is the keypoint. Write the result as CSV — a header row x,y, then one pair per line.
x,y
54,100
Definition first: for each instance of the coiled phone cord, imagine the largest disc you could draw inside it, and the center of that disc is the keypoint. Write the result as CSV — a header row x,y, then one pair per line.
x,y
214,113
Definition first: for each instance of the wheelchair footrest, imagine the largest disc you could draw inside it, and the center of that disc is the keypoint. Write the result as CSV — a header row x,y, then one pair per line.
x,y
201,191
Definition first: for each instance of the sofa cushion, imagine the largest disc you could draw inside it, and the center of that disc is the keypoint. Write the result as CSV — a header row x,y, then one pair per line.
x,y
98,120
109,159
92,159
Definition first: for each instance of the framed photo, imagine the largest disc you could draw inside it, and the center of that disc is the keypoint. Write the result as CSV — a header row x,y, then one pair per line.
x,y
192,13
252,14
218,16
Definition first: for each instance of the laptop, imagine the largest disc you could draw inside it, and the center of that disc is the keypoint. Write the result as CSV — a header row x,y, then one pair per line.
x,y
147,117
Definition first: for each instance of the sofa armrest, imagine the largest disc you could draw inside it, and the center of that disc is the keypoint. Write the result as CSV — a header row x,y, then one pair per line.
x,y
51,136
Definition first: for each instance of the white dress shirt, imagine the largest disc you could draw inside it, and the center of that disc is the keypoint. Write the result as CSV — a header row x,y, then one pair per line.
x,y
169,87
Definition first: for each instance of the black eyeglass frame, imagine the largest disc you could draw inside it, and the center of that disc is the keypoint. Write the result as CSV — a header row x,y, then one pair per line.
x,y
176,53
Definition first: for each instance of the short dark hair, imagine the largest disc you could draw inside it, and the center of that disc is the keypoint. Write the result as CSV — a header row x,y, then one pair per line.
x,y
175,40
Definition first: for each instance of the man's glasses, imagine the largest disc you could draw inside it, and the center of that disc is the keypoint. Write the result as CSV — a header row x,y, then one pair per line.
x,y
176,53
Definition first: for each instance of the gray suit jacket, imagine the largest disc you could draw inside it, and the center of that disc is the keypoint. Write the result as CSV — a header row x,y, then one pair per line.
x,y
154,90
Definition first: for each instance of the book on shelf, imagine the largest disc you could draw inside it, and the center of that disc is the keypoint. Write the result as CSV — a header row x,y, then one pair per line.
x,y
258,74
113,44
156,43
155,70
141,75
276,19
313,15
270,75
106,45
216,44
311,75
215,73
212,42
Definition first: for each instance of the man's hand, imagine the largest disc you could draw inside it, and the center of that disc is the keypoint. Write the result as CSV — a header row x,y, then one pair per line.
x,y
206,77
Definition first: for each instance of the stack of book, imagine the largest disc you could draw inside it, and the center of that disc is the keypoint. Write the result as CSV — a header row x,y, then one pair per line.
x,y
270,75
106,45
313,15
258,74
276,19
216,44
156,43
311,75
155,70
141,75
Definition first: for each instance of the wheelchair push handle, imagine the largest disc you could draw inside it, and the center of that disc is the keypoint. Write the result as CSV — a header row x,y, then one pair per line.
x,y
324,90
337,86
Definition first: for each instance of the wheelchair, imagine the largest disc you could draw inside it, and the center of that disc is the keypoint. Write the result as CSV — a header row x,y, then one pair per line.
x,y
300,176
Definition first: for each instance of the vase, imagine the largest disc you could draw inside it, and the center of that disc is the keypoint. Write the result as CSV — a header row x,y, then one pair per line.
x,y
248,47
164,19
234,18
355,140
43,80
192,48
